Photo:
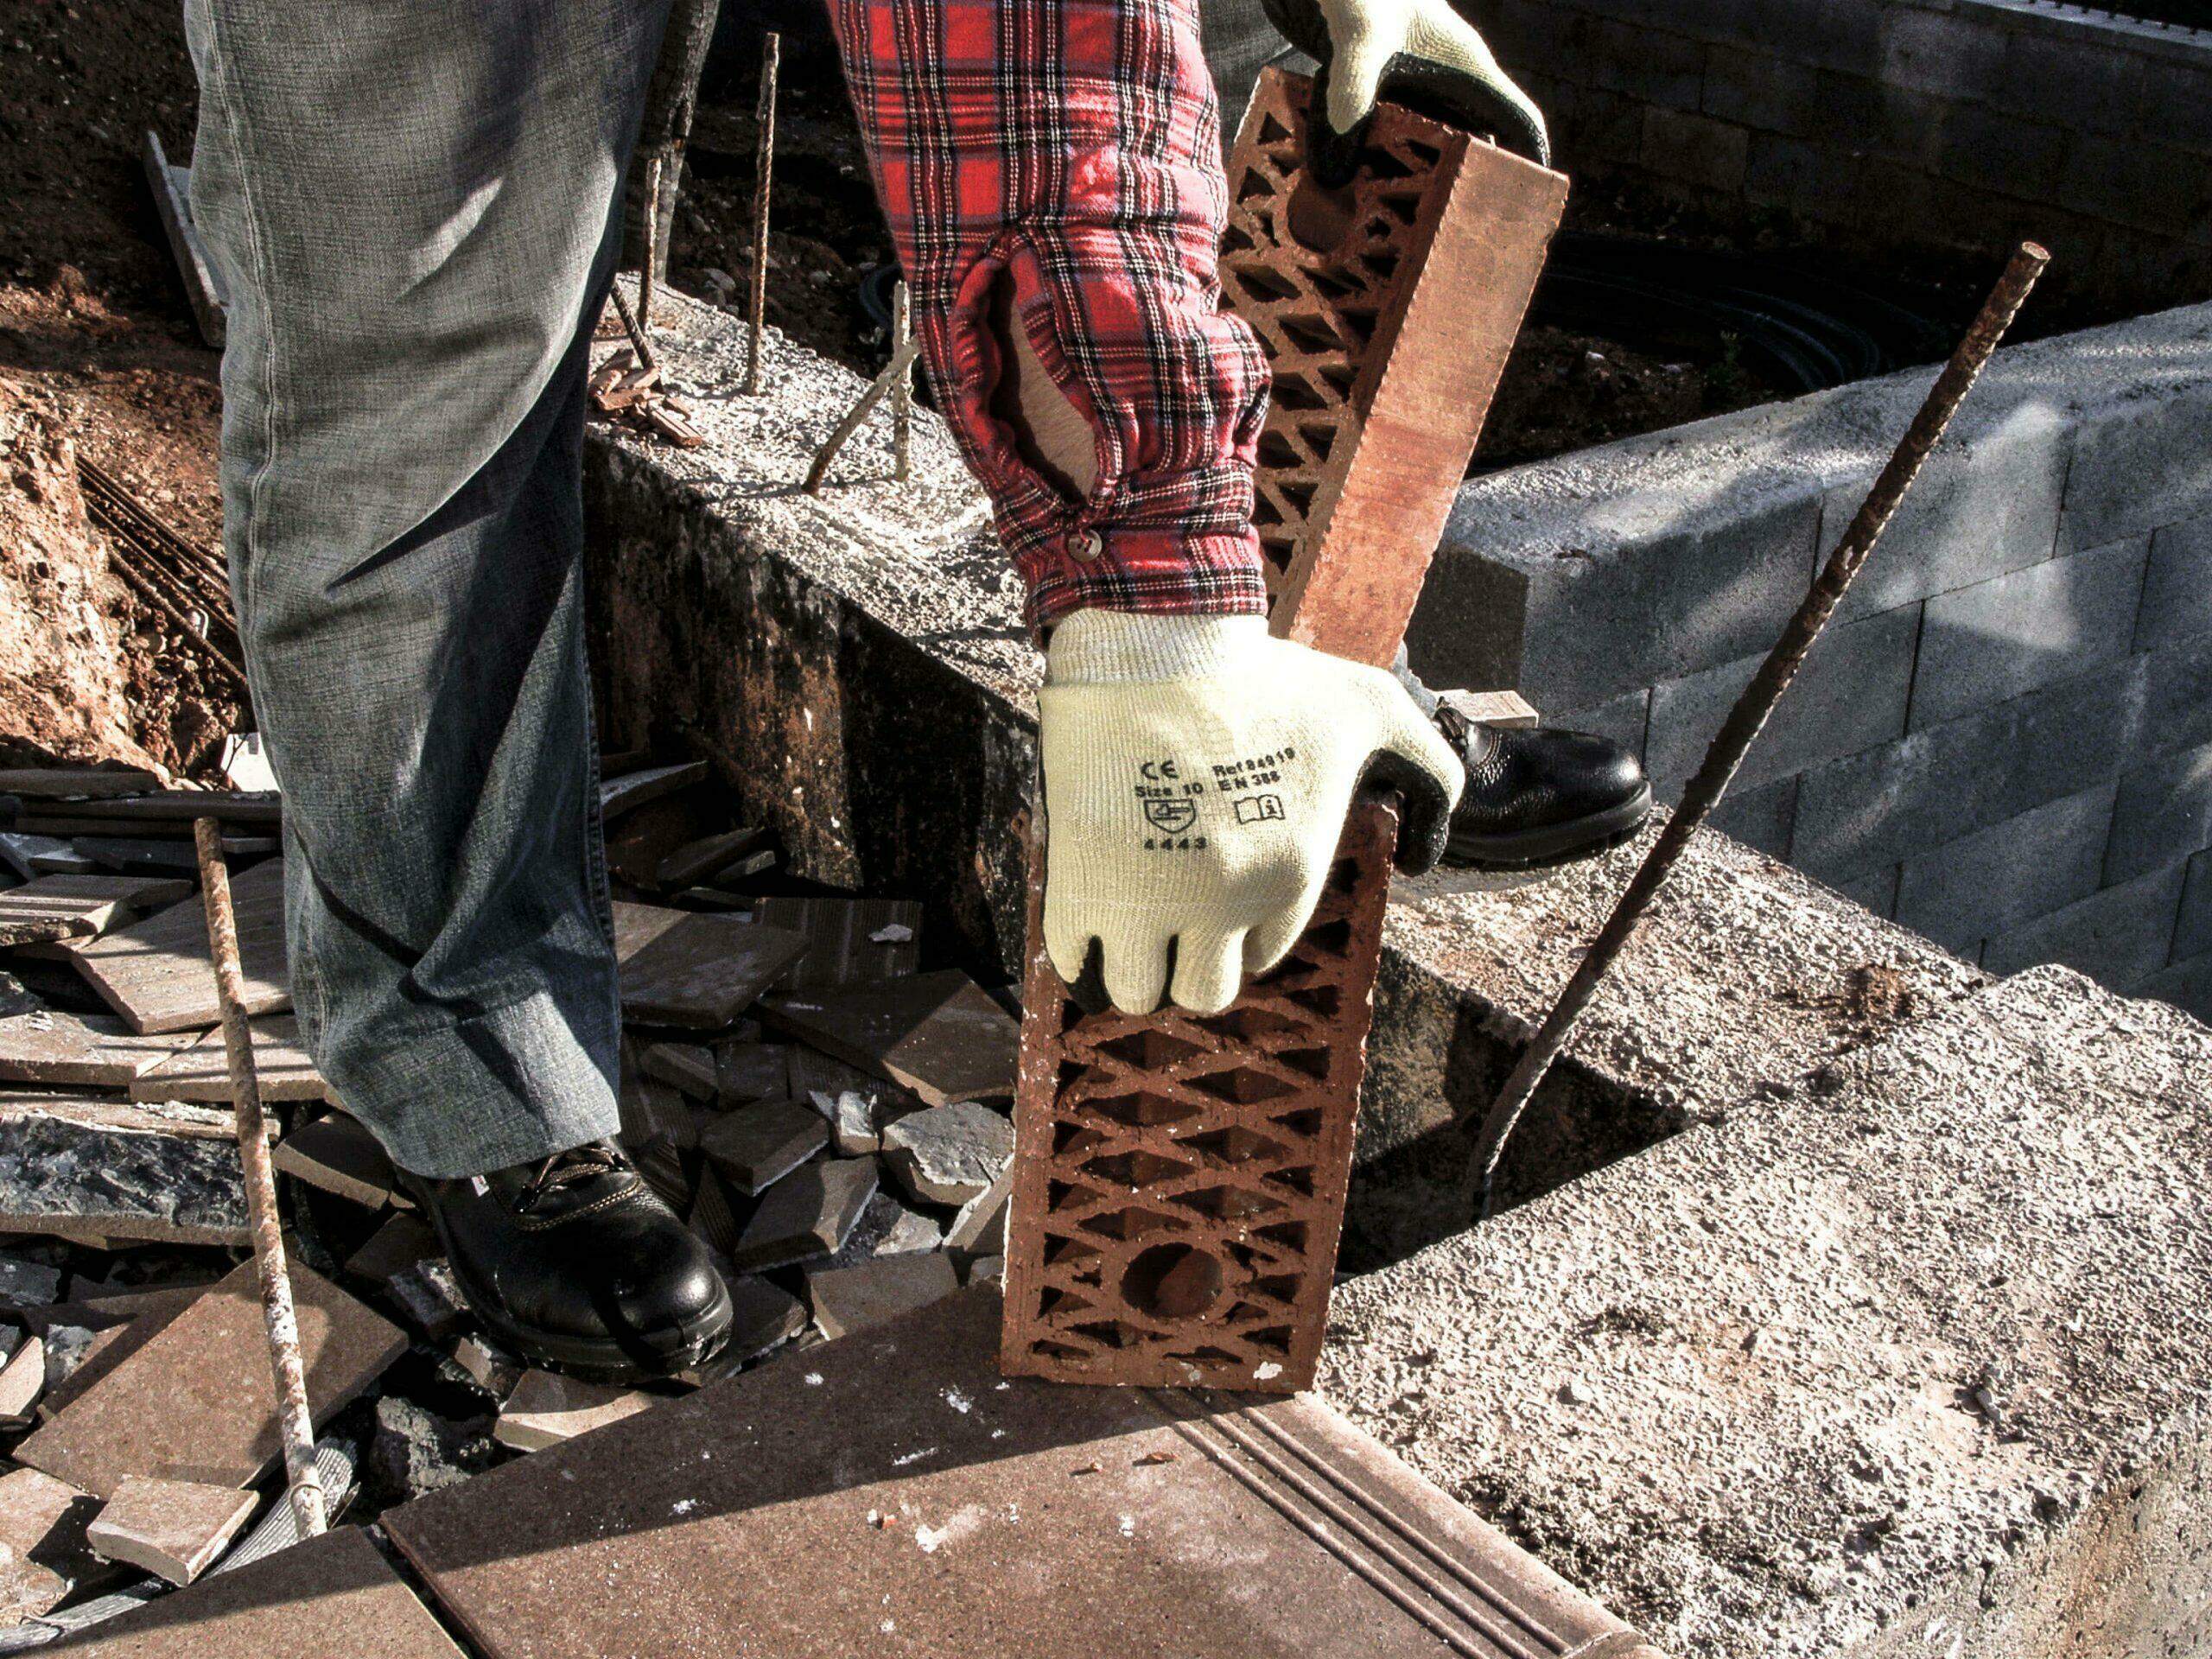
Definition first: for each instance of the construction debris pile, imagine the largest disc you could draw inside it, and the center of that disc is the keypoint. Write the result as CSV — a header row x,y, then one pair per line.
x,y
828,1116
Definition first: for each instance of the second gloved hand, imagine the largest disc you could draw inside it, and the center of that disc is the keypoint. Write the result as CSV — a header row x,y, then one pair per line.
x,y
1196,776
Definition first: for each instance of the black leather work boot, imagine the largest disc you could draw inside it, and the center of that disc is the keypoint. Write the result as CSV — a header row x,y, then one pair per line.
x,y
578,1265
1536,797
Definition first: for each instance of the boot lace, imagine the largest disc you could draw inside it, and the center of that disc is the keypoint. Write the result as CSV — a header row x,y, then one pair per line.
x,y
566,1169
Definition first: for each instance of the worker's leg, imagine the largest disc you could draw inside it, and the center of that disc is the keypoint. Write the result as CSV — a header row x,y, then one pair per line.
x,y
413,207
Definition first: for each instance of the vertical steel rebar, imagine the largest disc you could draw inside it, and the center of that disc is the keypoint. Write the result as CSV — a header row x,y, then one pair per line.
x,y
294,1425
771,46
652,247
902,391
1750,711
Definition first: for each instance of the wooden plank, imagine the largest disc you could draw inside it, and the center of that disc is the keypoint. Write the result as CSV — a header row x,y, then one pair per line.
x,y
74,783
937,1034
157,974
681,968
202,1072
203,290
848,941
94,1051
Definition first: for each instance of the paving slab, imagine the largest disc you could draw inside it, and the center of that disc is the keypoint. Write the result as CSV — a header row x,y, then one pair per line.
x,y
75,1165
756,1146
330,1598
809,1214
282,1068
198,1402
157,973
339,1155
877,1291
173,1529
1904,1361
686,969
950,1154
403,1240
937,1034
848,941
119,1327
82,1050
891,1494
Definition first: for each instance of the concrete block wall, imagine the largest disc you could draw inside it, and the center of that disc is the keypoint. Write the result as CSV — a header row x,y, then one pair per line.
x,y
1952,124
2004,739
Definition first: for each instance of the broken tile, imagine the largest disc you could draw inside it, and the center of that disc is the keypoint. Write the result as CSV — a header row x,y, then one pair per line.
x,y
686,1066
338,1155
279,1526
985,1270
157,974
910,1233
754,1147
546,1409
21,1381
848,941
119,1327
695,970
949,1155
139,1172
765,1317
711,1215
42,1523
752,1071
858,1106
95,1050
67,1347
980,1228
666,1170
32,856
93,903
198,1402
330,1598
490,1366
709,856
136,855
430,1296
75,782
27,1284
282,1069
173,1529
649,1110
851,1299
634,789
398,1245
937,1034
810,1213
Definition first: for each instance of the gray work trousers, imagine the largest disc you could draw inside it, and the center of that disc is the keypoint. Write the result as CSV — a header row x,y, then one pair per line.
x,y
413,205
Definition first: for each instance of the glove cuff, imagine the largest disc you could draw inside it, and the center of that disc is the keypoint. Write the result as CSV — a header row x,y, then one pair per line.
x,y
1114,647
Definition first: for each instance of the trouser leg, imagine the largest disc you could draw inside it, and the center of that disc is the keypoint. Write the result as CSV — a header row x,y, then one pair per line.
x,y
413,206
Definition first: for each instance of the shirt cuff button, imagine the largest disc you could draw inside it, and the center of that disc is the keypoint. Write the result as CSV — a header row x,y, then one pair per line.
x,y
1083,545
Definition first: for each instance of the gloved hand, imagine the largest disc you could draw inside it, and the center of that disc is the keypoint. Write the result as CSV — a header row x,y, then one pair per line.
x,y
1420,52
1196,776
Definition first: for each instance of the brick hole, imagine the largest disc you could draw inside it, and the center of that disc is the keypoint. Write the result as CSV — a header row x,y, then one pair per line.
x,y
1173,1280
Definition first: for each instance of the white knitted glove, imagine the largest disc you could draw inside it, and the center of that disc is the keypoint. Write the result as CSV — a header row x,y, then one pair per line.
x,y
1420,52
1196,776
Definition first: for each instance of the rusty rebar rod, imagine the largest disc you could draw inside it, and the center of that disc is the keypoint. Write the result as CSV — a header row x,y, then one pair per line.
x,y
1751,712
902,390
900,367
764,168
645,273
638,343
295,1424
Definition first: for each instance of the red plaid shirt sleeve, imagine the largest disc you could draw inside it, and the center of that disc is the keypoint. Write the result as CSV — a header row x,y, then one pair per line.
x,y
1072,149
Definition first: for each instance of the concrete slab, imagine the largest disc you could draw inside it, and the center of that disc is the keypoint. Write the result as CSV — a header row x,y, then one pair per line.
x,y
891,1494
1904,1362
330,1598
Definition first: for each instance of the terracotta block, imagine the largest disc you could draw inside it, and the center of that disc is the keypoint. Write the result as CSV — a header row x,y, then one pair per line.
x,y
1180,1179
1386,338
173,1529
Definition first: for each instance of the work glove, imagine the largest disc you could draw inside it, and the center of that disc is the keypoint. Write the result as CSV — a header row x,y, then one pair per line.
x,y
1418,53
1196,776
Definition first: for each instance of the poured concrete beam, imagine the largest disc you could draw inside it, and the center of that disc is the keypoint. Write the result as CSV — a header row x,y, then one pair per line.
x,y
1906,1361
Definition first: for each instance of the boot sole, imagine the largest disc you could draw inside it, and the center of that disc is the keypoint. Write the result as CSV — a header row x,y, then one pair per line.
x,y
1553,845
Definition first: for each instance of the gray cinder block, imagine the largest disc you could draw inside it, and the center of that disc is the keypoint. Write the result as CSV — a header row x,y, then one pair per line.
x,y
1623,719
2186,984
1695,150
1850,695
1940,52
1759,818
2006,636
2028,866
2163,814
1943,782
2119,936
2142,462
2178,712
1877,890
2193,925
2177,585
